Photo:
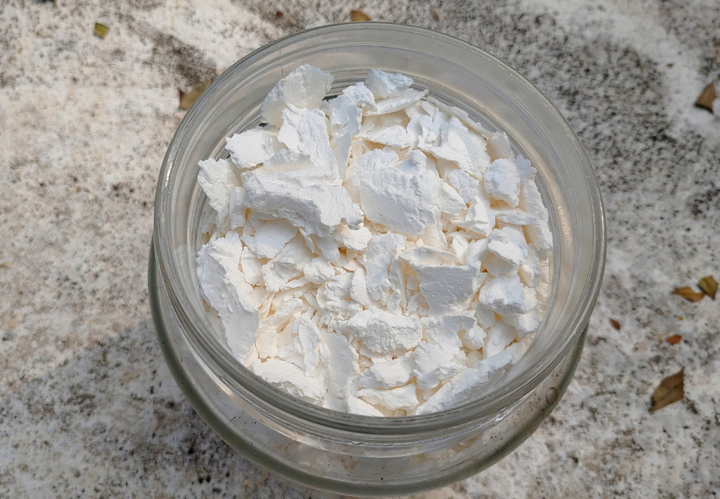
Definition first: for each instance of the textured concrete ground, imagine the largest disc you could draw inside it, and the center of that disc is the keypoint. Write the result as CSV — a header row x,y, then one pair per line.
x,y
87,406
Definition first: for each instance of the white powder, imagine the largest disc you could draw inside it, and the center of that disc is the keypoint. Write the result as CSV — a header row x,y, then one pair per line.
x,y
374,253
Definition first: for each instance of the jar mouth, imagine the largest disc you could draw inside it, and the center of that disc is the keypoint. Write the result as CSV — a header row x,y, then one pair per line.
x,y
570,189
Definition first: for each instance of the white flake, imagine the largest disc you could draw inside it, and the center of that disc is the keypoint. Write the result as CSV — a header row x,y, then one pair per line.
x,y
341,363
383,84
290,378
251,147
270,238
218,181
465,384
397,102
394,135
318,270
403,198
396,398
225,290
503,181
360,95
317,209
305,87
480,217
449,201
433,364
361,408
504,295
389,374
464,184
498,338
382,331
380,253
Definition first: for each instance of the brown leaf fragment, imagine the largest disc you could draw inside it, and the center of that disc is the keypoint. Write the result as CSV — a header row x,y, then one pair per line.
x,y
101,30
707,97
709,286
435,13
278,14
188,99
359,15
671,390
689,293
615,324
674,339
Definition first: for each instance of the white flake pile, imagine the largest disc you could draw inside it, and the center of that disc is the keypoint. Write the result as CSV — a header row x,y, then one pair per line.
x,y
377,253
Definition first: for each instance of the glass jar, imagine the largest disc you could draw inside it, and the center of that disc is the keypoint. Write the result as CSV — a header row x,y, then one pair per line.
x,y
358,454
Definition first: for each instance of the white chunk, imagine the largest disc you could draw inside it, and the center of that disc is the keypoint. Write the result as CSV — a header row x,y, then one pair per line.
x,y
341,363
316,209
237,207
465,384
225,289
218,182
380,253
498,338
270,238
509,245
390,374
383,331
525,324
464,184
384,85
286,265
401,198
396,398
306,131
449,201
290,378
356,240
251,147
474,338
539,236
397,102
503,181
358,288
446,331
360,95
462,147
361,408
433,364
307,342
480,217
345,116
447,289
251,266
305,87
394,135
318,270
503,295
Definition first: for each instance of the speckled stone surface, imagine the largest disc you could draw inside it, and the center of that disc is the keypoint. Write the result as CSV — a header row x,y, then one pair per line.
x,y
87,405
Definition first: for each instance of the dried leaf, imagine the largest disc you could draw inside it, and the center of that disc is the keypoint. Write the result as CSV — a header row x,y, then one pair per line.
x,y
689,293
359,15
187,100
615,324
435,13
671,390
674,339
278,14
707,97
709,286
101,30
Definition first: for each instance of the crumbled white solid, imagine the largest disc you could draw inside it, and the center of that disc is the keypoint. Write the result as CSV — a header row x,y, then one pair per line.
x,y
377,253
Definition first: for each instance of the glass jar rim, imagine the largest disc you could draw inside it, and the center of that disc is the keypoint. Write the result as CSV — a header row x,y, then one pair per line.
x,y
488,405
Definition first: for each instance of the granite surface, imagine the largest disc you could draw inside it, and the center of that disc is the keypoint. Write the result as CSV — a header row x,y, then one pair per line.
x,y
87,405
